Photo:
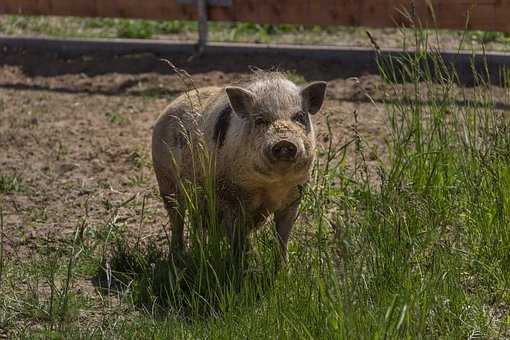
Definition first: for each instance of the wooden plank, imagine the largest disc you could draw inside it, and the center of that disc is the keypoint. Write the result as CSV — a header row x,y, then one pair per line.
x,y
451,14
150,9
490,15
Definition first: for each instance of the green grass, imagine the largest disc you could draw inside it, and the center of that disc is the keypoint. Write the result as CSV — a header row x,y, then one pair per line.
x,y
236,32
488,37
129,28
423,251
116,118
11,183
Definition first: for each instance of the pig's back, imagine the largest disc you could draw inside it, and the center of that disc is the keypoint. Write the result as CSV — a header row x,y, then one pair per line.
x,y
184,116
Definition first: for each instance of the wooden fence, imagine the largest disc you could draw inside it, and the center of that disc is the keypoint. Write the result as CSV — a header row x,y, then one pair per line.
x,y
493,15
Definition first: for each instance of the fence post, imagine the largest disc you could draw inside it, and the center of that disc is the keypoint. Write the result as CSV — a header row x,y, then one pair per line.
x,y
202,26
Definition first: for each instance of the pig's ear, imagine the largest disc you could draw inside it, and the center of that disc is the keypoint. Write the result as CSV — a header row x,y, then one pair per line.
x,y
313,96
241,100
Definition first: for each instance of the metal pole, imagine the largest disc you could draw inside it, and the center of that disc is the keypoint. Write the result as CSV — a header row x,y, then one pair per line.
x,y
202,26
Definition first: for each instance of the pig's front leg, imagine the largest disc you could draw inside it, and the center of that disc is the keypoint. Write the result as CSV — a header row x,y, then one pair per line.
x,y
284,222
237,232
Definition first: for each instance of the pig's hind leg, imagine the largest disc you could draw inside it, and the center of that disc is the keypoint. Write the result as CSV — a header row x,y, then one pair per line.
x,y
176,209
176,213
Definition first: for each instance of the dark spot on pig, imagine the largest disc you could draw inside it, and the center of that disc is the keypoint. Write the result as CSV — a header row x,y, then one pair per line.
x,y
180,139
222,124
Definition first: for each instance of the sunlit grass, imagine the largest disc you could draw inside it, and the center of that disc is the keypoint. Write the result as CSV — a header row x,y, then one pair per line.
x,y
239,32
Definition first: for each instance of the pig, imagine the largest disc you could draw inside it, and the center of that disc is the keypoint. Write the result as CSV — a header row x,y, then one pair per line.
x,y
261,139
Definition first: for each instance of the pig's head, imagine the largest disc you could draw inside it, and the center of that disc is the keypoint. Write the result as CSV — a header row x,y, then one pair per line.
x,y
277,132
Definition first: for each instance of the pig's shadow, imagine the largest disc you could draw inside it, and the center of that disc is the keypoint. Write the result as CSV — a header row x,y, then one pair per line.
x,y
191,284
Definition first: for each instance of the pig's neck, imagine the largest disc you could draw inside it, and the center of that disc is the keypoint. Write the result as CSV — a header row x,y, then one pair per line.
x,y
274,199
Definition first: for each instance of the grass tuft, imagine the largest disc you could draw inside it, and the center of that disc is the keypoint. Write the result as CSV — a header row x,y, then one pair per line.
x,y
10,184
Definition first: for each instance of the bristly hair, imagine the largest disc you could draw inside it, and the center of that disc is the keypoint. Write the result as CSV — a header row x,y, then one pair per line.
x,y
273,90
259,74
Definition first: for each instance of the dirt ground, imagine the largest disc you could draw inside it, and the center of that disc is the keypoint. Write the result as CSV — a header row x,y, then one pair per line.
x,y
75,133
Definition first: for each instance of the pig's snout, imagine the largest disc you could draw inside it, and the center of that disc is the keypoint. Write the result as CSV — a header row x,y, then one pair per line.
x,y
284,150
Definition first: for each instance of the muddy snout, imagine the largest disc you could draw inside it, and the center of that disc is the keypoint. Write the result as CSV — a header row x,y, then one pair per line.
x,y
285,150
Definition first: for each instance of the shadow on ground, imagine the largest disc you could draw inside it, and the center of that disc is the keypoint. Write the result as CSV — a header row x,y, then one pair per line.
x,y
194,285
51,65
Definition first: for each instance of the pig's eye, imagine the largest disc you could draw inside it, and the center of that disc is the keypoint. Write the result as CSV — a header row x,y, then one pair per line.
x,y
259,121
300,118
